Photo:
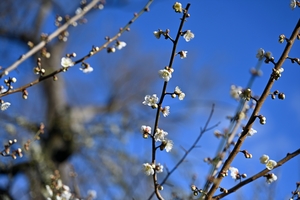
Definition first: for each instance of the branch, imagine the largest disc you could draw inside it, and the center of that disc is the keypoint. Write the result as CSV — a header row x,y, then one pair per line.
x,y
49,38
258,175
255,113
163,93
205,129
56,33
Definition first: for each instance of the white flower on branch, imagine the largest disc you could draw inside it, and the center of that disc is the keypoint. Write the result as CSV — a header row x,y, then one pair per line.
x,y
183,54
235,91
293,4
120,45
148,169
66,62
178,92
151,100
159,168
271,178
251,132
260,54
2,89
188,35
165,111
160,135
264,159
165,74
234,173
168,145
146,129
271,164
5,105
177,7
86,68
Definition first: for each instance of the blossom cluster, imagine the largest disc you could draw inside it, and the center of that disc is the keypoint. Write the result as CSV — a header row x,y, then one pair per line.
x,y
59,191
159,135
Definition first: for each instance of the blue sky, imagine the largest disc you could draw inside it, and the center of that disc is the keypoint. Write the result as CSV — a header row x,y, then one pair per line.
x,y
227,37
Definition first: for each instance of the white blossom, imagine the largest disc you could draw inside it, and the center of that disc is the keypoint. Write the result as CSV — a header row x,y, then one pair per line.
x,y
264,159
151,100
271,178
146,129
293,4
188,35
168,145
2,90
235,91
165,74
120,45
66,62
234,172
177,7
5,105
178,92
160,135
166,111
260,54
271,164
251,132
86,69
159,168
148,169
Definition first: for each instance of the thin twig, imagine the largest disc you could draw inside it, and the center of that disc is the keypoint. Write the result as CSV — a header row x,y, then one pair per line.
x,y
258,175
163,93
54,34
194,145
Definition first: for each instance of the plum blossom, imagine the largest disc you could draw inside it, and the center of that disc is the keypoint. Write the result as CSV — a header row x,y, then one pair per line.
x,y
293,4
165,74
168,145
146,129
188,35
5,105
86,68
235,91
251,132
271,178
264,159
234,173
260,54
148,169
120,45
178,92
151,100
160,135
177,7
165,111
271,164
159,168
66,62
